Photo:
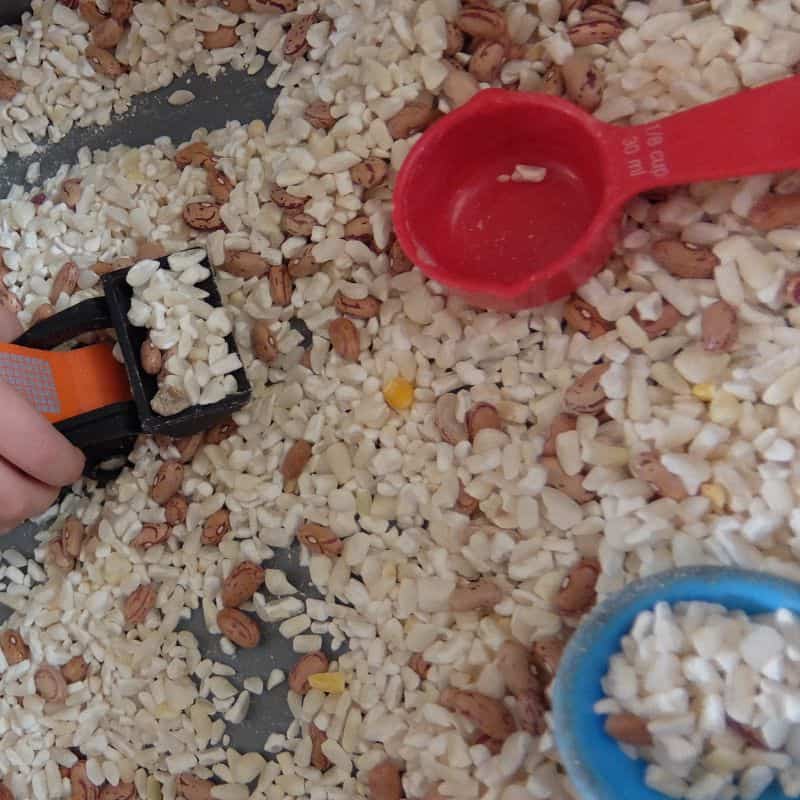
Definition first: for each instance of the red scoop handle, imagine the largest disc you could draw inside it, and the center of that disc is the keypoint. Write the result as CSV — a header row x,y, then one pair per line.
x,y
752,132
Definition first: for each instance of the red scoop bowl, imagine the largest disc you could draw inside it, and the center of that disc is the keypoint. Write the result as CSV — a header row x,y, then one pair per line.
x,y
507,245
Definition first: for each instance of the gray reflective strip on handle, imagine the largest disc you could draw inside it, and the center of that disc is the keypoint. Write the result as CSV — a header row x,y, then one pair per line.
x,y
33,379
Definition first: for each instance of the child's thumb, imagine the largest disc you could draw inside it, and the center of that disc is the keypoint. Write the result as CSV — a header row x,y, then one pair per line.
x,y
9,326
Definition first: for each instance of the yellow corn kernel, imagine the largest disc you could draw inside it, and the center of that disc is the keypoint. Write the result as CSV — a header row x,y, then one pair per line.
x,y
330,682
703,391
399,394
715,493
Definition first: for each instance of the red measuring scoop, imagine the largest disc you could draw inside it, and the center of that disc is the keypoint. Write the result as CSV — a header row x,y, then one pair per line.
x,y
508,245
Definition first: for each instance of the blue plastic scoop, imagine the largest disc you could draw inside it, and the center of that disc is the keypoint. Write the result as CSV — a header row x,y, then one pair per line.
x,y
595,764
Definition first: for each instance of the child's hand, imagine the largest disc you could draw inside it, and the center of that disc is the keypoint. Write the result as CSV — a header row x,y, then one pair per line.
x,y
35,459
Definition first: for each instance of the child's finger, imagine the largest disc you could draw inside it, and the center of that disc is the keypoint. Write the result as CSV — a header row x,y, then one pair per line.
x,y
32,444
9,326
21,497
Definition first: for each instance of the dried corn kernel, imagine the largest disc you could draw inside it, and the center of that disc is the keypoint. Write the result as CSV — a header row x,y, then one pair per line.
x,y
399,394
715,493
724,409
703,391
330,682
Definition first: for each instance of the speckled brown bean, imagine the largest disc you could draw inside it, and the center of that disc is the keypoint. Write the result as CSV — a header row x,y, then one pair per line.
x,y
577,593
107,34
13,646
295,460
531,709
154,250
629,729
263,342
198,154
121,10
465,502
513,664
5,792
584,317
244,264
359,228
594,32
320,539
570,485
280,286
167,481
684,260
90,12
667,320
72,537
122,791
480,595
190,787
224,36
65,281
370,172
418,663
242,630
583,82
9,87
152,534
413,117
481,22
318,759
480,417
219,185
553,81
546,656
288,201
139,603
202,216
345,339
150,357
75,670
775,211
399,262
586,395
103,63
295,45
297,224
489,715
308,665
304,265
647,467
70,193
719,327
50,684
187,446
82,788
361,308
235,6
176,509
241,584
318,115
216,527
487,61
221,431
384,781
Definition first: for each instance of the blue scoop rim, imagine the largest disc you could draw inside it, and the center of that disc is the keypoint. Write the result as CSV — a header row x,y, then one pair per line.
x,y
595,764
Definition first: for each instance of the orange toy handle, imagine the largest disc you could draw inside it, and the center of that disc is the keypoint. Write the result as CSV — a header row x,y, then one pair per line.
x,y
65,384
